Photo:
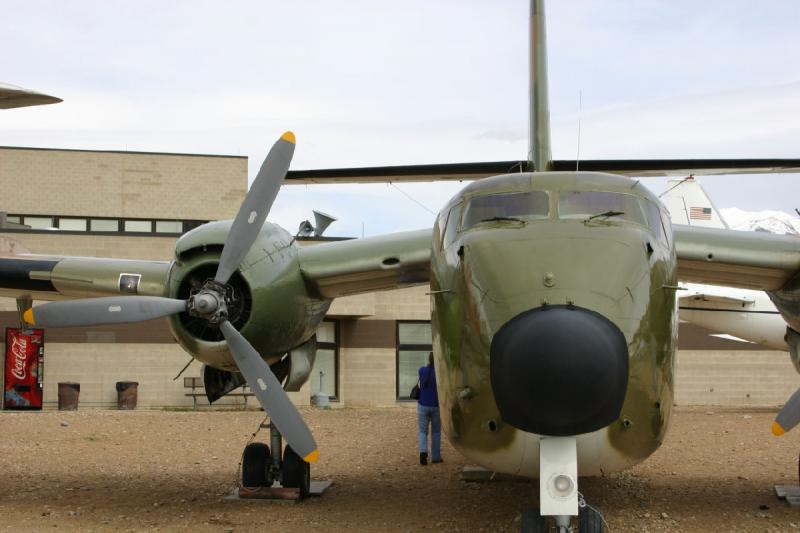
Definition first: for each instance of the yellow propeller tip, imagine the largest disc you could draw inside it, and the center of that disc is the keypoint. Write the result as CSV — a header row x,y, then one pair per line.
x,y
777,430
27,316
312,457
289,137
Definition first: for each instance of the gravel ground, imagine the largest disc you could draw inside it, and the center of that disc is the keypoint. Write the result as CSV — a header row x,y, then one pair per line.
x,y
169,471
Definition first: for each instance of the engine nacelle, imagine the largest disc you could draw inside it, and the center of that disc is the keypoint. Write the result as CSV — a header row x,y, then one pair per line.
x,y
270,305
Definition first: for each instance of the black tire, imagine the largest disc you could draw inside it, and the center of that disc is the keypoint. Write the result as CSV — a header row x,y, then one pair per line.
x,y
255,461
590,521
295,472
533,522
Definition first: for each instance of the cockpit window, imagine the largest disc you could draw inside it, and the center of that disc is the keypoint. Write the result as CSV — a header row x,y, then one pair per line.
x,y
507,206
600,205
452,225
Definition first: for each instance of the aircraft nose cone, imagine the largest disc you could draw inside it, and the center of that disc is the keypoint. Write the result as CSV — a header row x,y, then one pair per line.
x,y
559,370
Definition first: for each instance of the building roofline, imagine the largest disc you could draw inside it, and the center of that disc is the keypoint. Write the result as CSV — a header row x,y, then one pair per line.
x,y
130,152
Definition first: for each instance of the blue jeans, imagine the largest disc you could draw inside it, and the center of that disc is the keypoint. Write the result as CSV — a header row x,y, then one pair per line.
x,y
424,416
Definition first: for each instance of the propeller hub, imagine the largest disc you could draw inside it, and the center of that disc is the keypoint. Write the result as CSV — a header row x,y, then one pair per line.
x,y
210,302
206,303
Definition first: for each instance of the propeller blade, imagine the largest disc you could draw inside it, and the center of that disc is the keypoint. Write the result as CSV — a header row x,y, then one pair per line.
x,y
255,207
789,415
271,395
99,311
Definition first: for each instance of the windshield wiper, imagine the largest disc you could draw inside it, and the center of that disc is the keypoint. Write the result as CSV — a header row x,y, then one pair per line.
x,y
605,215
494,219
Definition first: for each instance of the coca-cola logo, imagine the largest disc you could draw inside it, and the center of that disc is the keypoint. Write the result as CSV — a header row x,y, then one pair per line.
x,y
19,349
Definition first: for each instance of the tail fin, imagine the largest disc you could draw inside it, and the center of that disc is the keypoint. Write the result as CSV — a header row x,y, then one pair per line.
x,y
689,204
539,156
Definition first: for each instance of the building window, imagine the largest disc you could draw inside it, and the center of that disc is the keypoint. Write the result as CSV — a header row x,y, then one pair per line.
x,y
327,360
138,226
104,224
39,222
72,224
413,346
169,226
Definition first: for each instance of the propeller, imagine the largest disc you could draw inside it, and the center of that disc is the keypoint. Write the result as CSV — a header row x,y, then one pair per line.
x,y
789,416
210,303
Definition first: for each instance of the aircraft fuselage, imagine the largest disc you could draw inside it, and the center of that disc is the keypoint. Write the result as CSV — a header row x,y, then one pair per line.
x,y
549,322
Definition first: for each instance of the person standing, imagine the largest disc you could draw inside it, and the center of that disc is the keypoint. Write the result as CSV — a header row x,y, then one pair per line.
x,y
428,413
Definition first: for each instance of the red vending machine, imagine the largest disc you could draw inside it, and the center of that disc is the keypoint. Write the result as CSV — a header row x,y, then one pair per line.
x,y
24,369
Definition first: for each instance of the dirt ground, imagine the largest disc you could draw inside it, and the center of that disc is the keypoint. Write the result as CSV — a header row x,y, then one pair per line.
x,y
169,471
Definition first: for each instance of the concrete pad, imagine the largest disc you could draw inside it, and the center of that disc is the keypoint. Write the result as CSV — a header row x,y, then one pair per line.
x,y
790,493
278,494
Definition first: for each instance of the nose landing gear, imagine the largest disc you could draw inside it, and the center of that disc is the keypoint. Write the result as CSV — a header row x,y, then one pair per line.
x,y
559,500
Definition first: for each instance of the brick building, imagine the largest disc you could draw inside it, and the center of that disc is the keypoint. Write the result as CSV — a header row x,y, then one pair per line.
x,y
136,205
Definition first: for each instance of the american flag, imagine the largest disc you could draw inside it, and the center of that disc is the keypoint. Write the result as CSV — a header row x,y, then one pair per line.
x,y
700,213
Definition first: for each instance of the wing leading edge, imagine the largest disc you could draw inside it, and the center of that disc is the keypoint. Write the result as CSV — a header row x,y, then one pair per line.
x,y
749,260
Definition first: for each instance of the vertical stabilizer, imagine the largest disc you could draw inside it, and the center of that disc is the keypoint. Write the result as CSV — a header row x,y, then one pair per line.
x,y
539,156
689,204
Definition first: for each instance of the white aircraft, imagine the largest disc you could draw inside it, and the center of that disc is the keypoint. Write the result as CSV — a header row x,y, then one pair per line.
x,y
738,314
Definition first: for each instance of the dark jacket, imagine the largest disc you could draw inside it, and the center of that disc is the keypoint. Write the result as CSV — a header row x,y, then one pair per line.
x,y
427,387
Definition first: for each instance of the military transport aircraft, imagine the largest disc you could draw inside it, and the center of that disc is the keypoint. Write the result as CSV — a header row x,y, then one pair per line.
x,y
553,305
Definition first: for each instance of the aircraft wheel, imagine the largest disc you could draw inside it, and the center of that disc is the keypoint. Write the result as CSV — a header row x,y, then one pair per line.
x,y
295,472
255,461
590,520
533,522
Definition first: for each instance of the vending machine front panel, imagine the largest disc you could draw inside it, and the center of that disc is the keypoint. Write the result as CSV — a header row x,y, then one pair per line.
x,y
24,369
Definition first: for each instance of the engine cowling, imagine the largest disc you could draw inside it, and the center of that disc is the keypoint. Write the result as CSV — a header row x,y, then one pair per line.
x,y
269,302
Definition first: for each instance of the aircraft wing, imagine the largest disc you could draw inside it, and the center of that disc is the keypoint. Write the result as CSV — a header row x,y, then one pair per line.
x,y
54,278
472,171
364,265
714,298
745,259
12,96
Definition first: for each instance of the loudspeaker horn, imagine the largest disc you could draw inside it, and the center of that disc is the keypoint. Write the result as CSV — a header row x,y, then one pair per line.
x,y
322,222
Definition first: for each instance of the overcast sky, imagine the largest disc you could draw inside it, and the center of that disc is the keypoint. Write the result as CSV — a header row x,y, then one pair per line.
x,y
375,82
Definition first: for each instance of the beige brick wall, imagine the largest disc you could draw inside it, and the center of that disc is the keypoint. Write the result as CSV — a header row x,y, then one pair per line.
x,y
93,245
121,184
412,303
98,367
740,378
367,376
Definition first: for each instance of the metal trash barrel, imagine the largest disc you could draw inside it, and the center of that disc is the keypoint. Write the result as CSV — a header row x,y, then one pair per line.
x,y
127,394
68,393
